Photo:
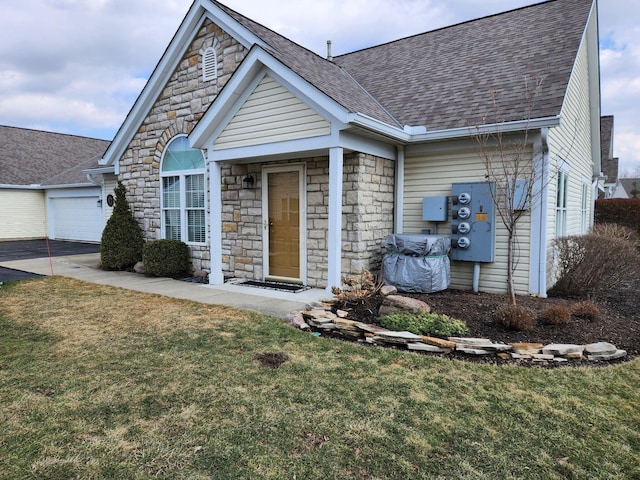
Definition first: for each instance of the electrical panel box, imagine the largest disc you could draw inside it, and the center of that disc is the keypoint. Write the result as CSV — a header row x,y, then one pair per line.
x,y
472,222
434,209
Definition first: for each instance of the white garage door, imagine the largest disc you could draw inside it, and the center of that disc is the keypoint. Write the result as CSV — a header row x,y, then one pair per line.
x,y
76,218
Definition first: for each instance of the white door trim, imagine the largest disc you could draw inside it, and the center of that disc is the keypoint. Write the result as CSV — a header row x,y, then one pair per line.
x,y
302,186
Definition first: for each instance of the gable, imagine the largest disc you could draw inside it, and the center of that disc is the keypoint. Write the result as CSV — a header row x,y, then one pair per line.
x,y
271,114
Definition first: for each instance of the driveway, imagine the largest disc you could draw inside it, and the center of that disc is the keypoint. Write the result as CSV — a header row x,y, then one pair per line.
x,y
28,249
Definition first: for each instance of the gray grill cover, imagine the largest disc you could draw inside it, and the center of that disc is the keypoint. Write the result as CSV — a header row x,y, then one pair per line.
x,y
417,263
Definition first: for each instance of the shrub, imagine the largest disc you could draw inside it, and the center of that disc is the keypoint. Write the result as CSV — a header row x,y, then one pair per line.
x,y
360,295
555,315
587,310
623,211
424,324
121,243
166,258
516,317
615,230
589,265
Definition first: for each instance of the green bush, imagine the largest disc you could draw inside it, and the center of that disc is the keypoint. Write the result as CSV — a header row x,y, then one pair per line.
x,y
121,242
166,258
623,211
424,324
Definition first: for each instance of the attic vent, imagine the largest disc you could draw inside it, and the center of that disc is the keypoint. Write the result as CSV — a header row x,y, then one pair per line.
x,y
209,64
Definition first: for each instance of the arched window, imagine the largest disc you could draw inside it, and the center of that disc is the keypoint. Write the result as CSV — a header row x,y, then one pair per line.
x,y
209,64
183,192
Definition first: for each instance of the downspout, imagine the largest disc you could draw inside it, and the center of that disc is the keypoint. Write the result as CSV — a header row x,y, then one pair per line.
x,y
544,207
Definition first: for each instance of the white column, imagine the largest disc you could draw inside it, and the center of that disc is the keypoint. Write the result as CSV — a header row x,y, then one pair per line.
x,y
334,247
215,224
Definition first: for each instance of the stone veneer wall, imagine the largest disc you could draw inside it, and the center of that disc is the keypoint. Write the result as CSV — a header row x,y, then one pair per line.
x,y
180,105
368,200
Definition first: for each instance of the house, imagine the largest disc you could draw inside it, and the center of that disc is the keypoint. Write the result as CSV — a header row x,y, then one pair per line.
x,y
272,162
43,190
627,188
609,163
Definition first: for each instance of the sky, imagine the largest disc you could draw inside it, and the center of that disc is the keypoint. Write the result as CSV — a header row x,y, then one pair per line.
x,y
77,66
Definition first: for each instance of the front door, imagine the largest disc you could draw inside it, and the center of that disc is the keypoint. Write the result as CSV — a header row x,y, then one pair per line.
x,y
283,223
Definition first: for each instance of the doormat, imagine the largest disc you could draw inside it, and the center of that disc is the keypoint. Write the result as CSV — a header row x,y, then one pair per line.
x,y
280,287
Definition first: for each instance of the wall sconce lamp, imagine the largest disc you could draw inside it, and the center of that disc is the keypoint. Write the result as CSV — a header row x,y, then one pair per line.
x,y
247,182
99,203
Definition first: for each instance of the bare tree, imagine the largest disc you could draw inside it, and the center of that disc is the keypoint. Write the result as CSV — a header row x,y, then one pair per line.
x,y
519,177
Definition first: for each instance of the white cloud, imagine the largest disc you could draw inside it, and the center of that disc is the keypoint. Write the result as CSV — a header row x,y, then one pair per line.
x,y
78,65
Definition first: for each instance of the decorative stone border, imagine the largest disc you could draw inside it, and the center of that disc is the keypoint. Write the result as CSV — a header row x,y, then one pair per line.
x,y
318,317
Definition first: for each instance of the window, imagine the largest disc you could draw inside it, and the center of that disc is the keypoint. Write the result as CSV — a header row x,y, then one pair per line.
x,y
183,193
561,204
209,64
584,208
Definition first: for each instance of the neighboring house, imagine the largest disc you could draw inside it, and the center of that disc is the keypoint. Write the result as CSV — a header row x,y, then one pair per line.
x,y
609,164
627,188
272,162
43,190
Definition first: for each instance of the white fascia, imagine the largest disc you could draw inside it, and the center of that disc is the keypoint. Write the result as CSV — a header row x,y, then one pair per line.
x,y
200,10
419,134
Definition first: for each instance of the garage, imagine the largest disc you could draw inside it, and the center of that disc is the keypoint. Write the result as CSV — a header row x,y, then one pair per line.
x,y
75,215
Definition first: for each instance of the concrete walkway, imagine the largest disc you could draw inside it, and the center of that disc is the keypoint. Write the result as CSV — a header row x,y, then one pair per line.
x,y
84,267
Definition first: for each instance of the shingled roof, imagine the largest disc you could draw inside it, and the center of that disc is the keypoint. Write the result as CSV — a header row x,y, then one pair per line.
x,y
449,77
34,157
326,76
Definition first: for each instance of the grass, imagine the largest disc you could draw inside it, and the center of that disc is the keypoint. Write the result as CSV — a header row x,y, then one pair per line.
x,y
99,382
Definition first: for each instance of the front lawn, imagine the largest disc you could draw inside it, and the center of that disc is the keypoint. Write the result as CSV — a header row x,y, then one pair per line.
x,y
99,382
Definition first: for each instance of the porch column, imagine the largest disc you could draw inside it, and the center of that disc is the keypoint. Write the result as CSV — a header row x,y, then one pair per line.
x,y
334,247
215,224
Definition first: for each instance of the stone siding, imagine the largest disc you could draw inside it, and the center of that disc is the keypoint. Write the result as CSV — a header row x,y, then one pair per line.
x,y
183,101
367,217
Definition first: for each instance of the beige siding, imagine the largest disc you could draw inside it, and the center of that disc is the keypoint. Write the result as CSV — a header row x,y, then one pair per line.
x,y
22,214
271,114
433,174
570,148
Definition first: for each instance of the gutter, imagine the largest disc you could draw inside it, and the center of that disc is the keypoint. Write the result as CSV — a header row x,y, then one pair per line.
x,y
419,134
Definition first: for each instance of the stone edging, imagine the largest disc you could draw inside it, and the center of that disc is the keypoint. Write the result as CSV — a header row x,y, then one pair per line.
x,y
318,317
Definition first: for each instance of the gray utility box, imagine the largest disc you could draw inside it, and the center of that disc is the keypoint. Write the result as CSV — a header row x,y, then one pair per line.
x,y
434,209
417,263
473,222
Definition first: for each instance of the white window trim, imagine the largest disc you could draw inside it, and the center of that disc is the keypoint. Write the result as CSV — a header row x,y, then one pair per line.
x,y
584,206
563,196
182,174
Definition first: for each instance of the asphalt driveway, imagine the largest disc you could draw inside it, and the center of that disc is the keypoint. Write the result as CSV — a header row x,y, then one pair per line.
x,y
27,249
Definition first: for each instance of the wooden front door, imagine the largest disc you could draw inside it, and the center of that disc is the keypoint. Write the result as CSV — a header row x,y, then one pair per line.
x,y
283,223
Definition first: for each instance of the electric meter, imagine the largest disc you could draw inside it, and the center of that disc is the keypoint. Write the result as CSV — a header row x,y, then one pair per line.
x,y
464,227
464,198
464,242
464,213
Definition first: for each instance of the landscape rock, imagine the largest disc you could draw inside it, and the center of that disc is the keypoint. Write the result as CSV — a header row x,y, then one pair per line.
x,y
470,341
612,356
139,267
527,348
317,306
200,274
387,290
439,342
398,303
562,349
600,348
423,347
397,337
295,319
473,351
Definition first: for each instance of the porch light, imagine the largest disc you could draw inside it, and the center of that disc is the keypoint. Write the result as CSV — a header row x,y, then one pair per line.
x,y
247,182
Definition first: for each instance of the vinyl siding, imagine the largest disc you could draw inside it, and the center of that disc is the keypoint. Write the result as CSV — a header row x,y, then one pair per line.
x,y
271,114
22,214
433,174
570,148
